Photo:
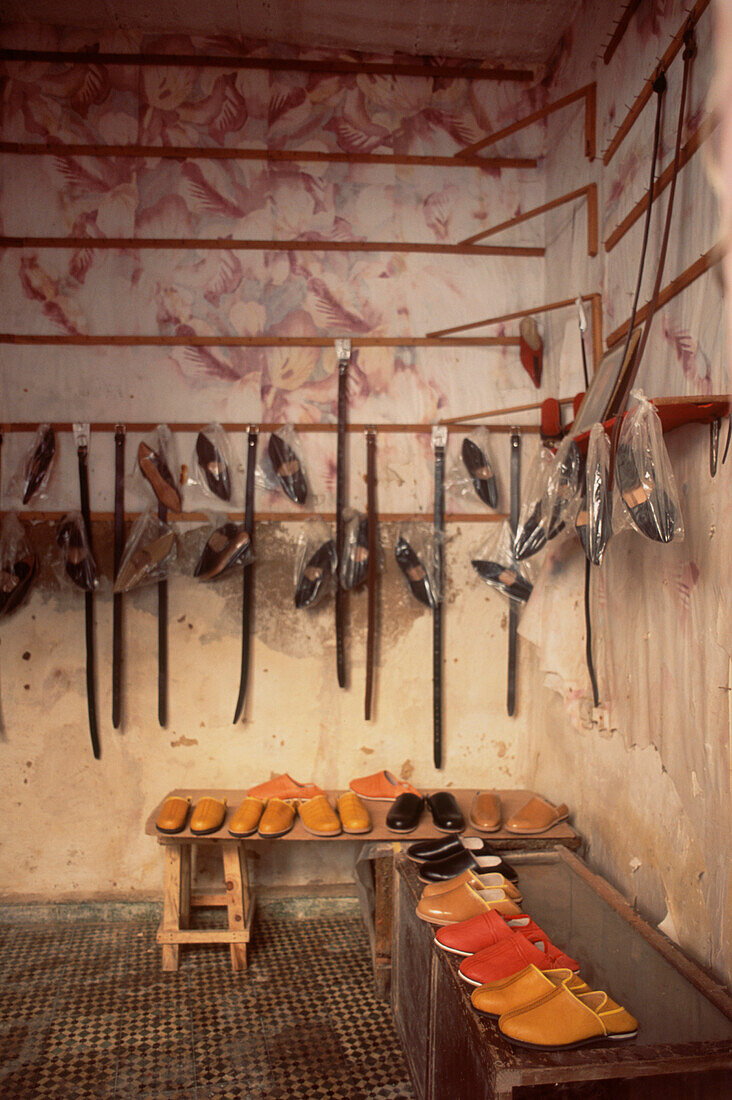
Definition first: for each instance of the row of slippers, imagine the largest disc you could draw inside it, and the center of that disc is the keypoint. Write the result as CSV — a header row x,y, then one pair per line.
x,y
269,818
521,979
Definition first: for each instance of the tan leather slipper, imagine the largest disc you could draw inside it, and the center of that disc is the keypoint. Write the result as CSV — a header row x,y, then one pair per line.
x,y
537,816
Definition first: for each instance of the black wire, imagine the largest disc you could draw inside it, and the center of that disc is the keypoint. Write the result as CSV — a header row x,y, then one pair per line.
x,y
588,636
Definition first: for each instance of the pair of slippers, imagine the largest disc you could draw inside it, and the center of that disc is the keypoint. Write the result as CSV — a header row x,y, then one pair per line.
x,y
448,857
406,810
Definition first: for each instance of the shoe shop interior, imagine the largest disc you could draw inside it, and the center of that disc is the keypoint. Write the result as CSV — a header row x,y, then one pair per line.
x,y
365,604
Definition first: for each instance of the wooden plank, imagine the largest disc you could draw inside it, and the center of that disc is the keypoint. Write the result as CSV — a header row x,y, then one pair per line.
x,y
208,901
170,925
636,108
694,143
185,886
596,316
562,304
486,414
707,260
193,426
171,940
285,517
58,340
589,192
289,156
234,884
429,69
383,922
206,244
714,992
620,28
586,92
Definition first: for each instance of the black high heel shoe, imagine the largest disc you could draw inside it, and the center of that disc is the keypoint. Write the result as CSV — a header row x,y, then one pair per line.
x,y
506,580
481,472
650,507
15,582
39,463
319,567
287,469
226,546
214,467
80,565
415,572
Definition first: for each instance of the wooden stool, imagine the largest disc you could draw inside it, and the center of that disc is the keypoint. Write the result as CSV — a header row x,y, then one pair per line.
x,y
178,902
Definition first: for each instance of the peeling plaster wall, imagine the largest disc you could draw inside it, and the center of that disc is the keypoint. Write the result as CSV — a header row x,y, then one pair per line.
x,y
647,774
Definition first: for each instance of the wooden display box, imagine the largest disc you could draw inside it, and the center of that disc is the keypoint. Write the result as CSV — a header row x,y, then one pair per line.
x,y
683,1048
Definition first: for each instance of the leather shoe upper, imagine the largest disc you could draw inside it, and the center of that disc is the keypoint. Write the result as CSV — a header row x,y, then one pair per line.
x,y
318,816
173,814
521,989
278,818
209,814
445,811
246,817
405,813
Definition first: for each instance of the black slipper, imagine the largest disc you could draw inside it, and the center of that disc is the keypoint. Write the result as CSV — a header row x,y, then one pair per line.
x,y
440,870
415,572
320,566
287,469
405,812
214,467
428,851
446,813
508,581
481,473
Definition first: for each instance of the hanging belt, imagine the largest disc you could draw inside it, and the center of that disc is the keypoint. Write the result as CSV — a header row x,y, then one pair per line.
x,y
439,440
81,432
163,637
343,350
513,609
372,575
119,543
246,602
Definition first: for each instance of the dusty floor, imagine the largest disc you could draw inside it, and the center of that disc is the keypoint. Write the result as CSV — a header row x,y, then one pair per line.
x,y
85,1011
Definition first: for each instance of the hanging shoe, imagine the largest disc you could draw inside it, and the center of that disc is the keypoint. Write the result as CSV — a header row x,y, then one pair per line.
x,y
225,548
508,581
143,561
287,468
531,349
214,467
318,569
650,508
79,563
415,572
39,462
481,472
356,558
155,470
15,580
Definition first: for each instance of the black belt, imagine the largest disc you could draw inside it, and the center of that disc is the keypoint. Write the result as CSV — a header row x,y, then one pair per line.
x,y
163,637
119,544
439,439
246,603
513,608
372,575
82,450
343,348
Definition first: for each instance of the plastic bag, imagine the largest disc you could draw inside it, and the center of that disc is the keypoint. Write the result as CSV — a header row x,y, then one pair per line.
x,y
355,564
496,565
79,564
157,467
31,479
227,547
148,550
415,555
644,476
18,565
281,465
475,475
594,519
212,462
315,565
552,491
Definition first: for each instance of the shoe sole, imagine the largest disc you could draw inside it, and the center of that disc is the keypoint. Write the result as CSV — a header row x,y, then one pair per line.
x,y
484,828
323,836
437,923
595,1041
273,836
207,832
242,836
357,832
454,950
471,981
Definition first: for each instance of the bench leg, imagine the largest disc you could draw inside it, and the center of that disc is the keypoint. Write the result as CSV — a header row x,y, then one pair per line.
x,y
176,897
237,899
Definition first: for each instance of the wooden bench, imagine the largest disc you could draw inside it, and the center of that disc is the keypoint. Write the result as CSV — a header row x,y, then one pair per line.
x,y
179,897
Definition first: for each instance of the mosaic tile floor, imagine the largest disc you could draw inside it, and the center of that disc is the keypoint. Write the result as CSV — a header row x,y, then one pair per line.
x,y
86,1012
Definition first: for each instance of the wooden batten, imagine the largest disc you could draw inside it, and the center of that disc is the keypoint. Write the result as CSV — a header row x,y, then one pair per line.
x,y
587,92
646,91
117,341
289,156
620,28
280,517
489,413
588,192
547,308
707,260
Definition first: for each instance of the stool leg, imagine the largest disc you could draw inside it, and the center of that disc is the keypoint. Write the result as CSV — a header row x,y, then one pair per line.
x,y
172,900
235,901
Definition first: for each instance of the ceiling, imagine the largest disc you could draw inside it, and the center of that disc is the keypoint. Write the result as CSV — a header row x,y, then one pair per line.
x,y
521,32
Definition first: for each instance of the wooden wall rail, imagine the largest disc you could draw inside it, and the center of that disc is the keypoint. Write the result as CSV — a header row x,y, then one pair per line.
x,y
646,91
662,181
191,341
139,426
428,69
620,28
588,192
588,92
488,413
242,245
707,260
302,156
272,517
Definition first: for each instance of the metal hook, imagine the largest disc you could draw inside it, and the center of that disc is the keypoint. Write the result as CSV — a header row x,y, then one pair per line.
x,y
713,446
729,433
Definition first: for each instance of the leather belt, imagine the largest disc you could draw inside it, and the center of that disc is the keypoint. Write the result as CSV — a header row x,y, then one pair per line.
x,y
439,440
247,579
119,543
372,574
81,432
513,609
343,350
163,637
